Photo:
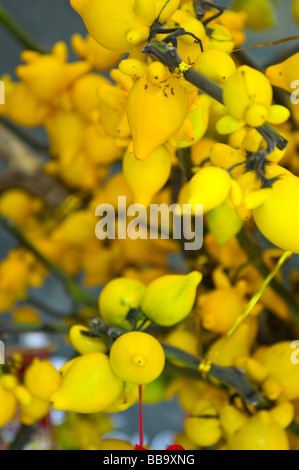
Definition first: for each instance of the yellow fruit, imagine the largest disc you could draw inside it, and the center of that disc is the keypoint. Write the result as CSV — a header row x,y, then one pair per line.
x,y
84,93
285,73
116,300
34,411
224,223
97,55
205,64
231,419
26,315
127,399
238,346
17,205
283,414
9,381
8,406
85,344
113,444
200,188
260,433
277,361
155,113
146,178
260,13
247,95
41,379
277,218
220,309
63,370
169,299
183,339
48,75
22,106
88,386
204,432
120,28
137,357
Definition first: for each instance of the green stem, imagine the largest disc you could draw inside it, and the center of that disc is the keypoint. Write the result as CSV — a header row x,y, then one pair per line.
x,y
19,328
19,33
76,292
255,256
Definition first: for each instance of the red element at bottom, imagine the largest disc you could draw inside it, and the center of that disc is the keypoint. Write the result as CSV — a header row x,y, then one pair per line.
x,y
140,418
173,447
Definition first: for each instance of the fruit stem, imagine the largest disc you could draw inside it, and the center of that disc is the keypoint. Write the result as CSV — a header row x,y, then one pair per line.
x,y
140,416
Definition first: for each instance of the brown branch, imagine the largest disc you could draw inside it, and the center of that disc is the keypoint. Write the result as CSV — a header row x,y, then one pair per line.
x,y
25,170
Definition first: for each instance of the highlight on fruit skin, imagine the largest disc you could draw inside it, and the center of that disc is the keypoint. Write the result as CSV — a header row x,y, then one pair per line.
x,y
137,357
169,299
88,386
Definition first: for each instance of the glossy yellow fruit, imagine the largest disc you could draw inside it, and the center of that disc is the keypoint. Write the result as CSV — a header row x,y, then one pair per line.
x,y
284,73
155,113
277,218
117,298
224,223
8,406
146,178
137,357
247,95
85,344
120,28
41,379
88,386
205,64
199,188
204,432
260,432
127,399
169,299
277,361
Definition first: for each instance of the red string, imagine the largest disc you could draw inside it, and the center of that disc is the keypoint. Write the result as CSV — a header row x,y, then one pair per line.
x,y
140,417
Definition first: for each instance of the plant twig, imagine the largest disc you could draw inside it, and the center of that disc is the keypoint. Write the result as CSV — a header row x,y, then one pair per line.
x,y
255,256
230,377
22,438
25,170
17,31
